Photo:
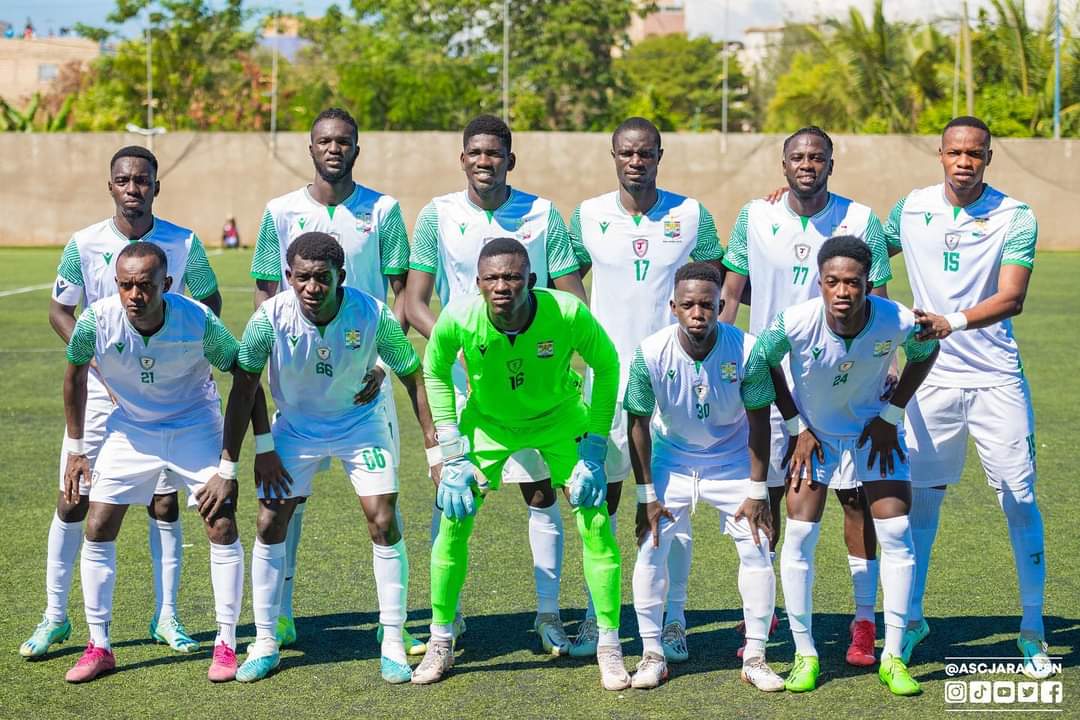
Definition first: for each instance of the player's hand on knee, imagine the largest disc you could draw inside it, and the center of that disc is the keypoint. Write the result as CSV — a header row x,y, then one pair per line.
x,y
77,468
758,517
455,493
799,460
372,384
884,441
588,480
271,475
214,496
649,516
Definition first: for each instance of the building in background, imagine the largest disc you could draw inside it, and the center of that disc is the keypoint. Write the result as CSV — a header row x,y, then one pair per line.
x,y
29,65
668,19
283,32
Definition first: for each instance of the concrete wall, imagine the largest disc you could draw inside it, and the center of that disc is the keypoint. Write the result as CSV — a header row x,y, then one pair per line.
x,y
53,184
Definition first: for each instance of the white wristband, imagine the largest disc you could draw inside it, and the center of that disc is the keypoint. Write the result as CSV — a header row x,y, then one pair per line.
x,y
74,446
227,469
264,443
892,414
758,491
795,426
434,456
957,321
646,493
451,444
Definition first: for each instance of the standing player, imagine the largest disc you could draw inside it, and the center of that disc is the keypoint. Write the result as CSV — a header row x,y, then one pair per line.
x,y
840,347
969,250
86,274
369,226
773,246
691,373
634,239
447,239
320,341
518,342
154,351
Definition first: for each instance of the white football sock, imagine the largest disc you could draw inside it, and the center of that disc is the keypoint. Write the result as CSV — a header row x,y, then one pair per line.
x,y
546,542
757,586
391,565
864,582
267,573
292,543
64,541
650,582
897,577
166,553
227,579
797,578
441,632
590,611
924,517
678,566
98,570
1026,535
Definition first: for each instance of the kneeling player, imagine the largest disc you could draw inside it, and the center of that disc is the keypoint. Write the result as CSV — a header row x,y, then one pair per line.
x,y
691,373
518,342
321,342
154,351
840,348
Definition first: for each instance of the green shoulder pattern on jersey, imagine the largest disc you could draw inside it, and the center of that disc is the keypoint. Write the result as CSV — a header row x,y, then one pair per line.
x,y
918,350
708,244
394,243
737,257
561,259
198,275
772,345
1020,239
393,347
639,398
70,267
219,345
892,226
424,255
880,268
266,262
256,344
580,253
83,342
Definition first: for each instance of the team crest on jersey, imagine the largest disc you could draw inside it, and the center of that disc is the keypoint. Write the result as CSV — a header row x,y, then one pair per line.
x,y
146,362
729,372
882,348
641,246
672,229
352,338
846,365
952,240
323,353
702,391
363,223
545,349
514,365
802,251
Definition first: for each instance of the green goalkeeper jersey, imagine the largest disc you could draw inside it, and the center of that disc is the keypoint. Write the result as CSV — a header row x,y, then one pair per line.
x,y
523,379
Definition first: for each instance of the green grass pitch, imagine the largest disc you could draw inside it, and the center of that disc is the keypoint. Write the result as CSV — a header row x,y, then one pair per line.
x,y
333,670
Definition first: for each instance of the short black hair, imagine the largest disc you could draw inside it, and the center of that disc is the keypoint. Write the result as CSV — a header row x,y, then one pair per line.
x,y
699,271
847,246
316,246
968,121
144,249
487,125
636,123
336,113
810,130
504,246
134,151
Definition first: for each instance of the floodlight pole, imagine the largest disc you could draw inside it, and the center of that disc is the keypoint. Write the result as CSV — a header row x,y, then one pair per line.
x,y
149,84
1057,69
724,86
506,63
273,83
969,82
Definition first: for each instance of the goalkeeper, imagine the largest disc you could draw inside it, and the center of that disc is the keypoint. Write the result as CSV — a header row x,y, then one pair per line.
x,y
517,343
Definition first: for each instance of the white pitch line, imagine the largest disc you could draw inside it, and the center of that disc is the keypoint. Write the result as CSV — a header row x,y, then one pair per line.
x,y
28,288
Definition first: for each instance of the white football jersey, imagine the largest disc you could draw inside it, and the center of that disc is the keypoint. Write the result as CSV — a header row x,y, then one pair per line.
x,y
315,371
163,379
87,274
367,224
450,232
700,421
954,256
837,381
777,249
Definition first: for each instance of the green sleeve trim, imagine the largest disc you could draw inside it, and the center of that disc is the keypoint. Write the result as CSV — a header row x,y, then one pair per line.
x,y
731,266
266,262
918,350
70,267
425,240
737,256
1021,263
83,342
219,346
257,343
1020,239
639,398
708,243
772,345
560,255
394,243
393,347
874,237
577,243
198,275
891,230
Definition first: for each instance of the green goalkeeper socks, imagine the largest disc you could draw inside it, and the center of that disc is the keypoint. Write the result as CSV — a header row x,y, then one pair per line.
x,y
449,566
602,563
